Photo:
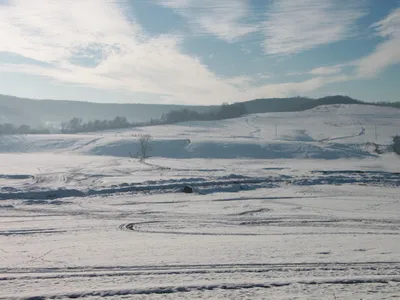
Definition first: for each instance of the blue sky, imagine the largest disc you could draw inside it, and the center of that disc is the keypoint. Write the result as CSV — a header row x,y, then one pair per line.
x,y
199,52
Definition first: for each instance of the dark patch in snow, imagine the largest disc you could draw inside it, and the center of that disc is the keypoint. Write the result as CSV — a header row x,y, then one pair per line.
x,y
229,183
21,177
45,202
6,206
187,189
30,231
253,212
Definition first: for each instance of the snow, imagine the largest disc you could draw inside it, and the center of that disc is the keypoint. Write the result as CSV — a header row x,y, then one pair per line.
x,y
331,132
285,206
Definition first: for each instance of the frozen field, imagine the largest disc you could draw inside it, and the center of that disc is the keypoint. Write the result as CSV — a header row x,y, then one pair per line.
x,y
286,206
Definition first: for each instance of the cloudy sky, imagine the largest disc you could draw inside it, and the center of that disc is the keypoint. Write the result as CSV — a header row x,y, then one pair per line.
x,y
199,51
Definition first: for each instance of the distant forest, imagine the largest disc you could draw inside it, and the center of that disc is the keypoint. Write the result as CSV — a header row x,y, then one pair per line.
x,y
187,113
303,103
225,111
10,129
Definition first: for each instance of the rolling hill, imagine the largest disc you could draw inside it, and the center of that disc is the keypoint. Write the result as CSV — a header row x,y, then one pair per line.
x,y
40,112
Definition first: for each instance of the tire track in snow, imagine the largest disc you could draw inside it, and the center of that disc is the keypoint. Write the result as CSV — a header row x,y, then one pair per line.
x,y
248,276
175,289
68,272
138,227
360,265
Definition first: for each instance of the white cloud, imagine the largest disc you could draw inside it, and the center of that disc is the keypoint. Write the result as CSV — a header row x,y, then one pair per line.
x,y
264,75
61,32
296,26
288,89
56,32
50,31
225,19
333,70
386,53
327,70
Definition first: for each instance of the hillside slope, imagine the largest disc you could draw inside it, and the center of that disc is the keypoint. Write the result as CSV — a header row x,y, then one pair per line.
x,y
34,112
325,132
39,112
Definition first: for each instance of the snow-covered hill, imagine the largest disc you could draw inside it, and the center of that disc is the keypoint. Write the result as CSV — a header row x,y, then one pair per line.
x,y
284,205
326,132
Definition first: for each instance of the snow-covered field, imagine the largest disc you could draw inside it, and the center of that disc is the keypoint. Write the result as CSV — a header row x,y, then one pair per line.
x,y
286,206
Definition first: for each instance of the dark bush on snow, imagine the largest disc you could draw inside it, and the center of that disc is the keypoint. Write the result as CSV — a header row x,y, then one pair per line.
x,y
187,189
396,144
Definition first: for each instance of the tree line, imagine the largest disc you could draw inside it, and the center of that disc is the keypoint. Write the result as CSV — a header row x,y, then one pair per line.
x,y
8,129
78,125
225,111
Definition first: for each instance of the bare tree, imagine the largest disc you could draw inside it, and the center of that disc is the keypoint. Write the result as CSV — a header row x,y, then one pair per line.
x,y
396,144
145,148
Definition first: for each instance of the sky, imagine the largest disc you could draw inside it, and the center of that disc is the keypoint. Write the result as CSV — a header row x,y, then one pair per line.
x,y
199,52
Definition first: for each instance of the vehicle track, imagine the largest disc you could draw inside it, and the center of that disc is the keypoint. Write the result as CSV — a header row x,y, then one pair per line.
x,y
190,278
160,228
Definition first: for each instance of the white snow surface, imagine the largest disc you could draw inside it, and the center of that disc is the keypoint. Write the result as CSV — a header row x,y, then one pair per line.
x,y
285,206
326,132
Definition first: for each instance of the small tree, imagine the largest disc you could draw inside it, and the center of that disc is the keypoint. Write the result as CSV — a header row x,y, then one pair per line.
x,y
145,148
396,144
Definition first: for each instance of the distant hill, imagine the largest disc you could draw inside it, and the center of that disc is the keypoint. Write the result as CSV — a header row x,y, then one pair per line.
x,y
36,112
295,103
